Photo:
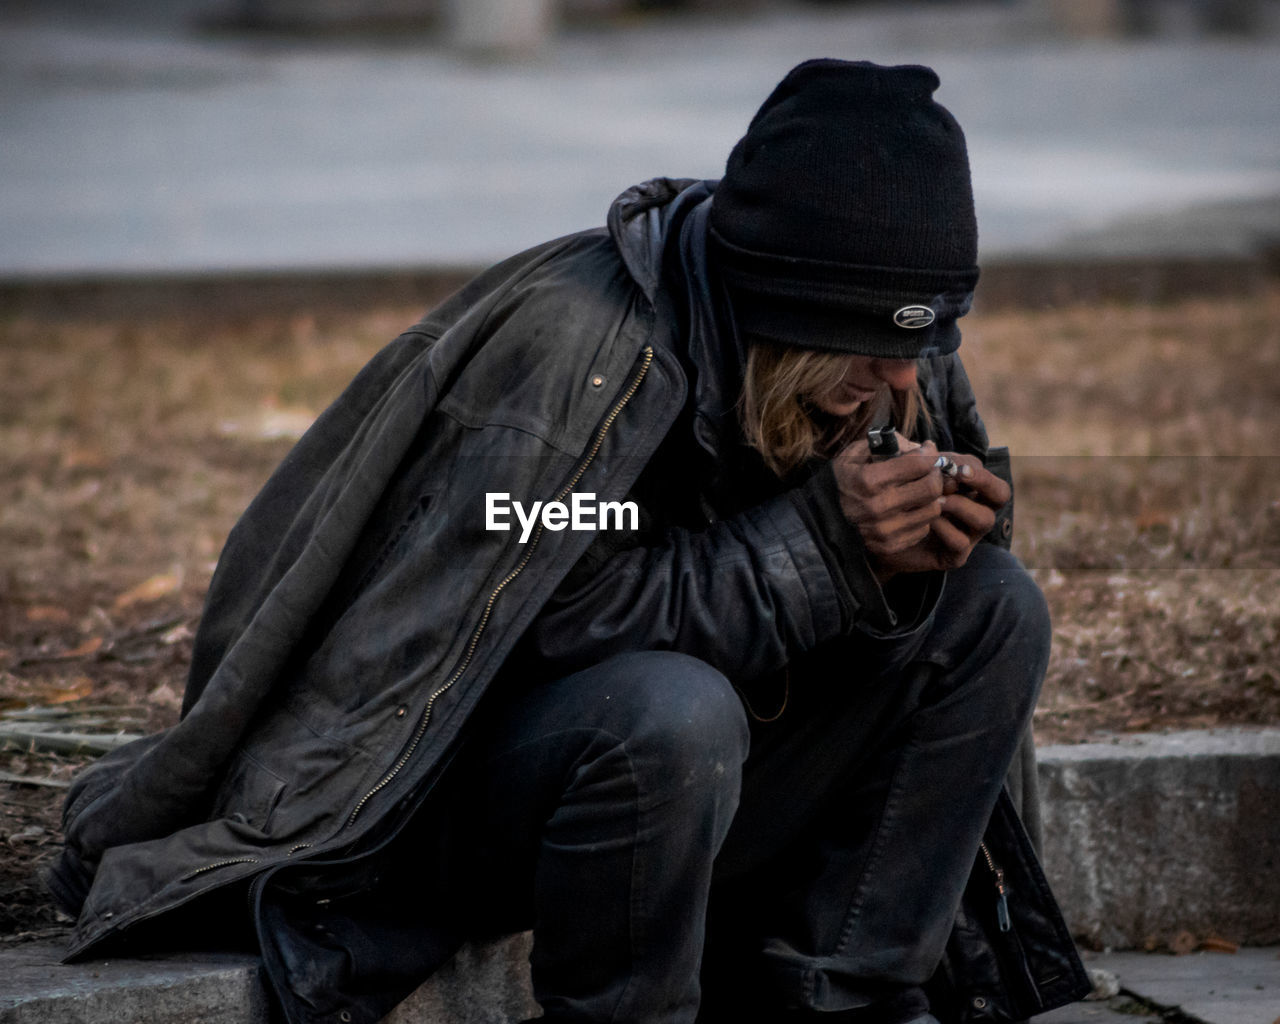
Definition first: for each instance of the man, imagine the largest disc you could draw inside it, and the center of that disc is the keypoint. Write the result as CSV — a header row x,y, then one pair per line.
x,y
735,757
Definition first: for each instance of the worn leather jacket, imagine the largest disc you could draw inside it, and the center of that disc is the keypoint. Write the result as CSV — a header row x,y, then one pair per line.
x,y
361,609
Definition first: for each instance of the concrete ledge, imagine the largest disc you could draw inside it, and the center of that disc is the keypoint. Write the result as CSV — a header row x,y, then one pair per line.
x,y
484,984
195,988
1146,835
1149,836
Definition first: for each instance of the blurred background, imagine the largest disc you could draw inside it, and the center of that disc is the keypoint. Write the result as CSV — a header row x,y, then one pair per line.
x,y
177,136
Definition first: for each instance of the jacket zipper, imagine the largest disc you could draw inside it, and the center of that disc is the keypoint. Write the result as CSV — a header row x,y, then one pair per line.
x,y
1002,891
473,643
217,864
106,916
1020,967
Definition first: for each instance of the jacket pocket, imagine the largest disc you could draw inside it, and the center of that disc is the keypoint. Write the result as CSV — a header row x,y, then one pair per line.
x,y
1010,955
249,794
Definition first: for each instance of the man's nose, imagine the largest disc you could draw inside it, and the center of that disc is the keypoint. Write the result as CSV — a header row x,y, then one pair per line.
x,y
899,374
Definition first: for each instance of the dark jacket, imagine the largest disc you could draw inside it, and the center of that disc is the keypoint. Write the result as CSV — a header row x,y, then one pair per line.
x,y
360,608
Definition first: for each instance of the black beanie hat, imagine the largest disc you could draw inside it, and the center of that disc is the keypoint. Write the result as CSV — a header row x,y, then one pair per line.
x,y
845,220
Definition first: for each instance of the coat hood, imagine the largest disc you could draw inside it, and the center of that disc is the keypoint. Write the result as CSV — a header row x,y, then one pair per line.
x,y
660,229
641,222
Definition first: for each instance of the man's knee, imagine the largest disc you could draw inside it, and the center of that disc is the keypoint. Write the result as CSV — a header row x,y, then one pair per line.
x,y
1003,598
1026,617
679,721
1022,609
996,612
676,711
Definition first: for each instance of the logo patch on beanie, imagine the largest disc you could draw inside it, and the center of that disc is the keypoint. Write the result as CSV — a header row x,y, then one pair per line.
x,y
913,317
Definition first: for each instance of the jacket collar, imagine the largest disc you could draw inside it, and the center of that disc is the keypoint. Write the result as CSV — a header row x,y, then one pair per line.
x,y
660,229
644,217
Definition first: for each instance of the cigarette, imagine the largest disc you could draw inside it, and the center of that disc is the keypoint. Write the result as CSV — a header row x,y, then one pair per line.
x,y
948,466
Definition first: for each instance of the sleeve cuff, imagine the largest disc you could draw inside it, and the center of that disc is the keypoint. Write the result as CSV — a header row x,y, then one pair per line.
x,y
890,611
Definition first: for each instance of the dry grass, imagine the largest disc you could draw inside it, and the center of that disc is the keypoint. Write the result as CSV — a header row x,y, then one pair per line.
x,y
131,447
1148,500
1148,505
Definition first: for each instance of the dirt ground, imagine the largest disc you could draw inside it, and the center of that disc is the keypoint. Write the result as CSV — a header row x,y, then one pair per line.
x,y
1148,509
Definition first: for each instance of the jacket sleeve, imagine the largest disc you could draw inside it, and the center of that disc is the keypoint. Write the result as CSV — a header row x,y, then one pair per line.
x,y
957,426
745,594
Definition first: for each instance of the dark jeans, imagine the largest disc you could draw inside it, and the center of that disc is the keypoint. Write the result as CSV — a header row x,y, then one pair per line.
x,y
593,809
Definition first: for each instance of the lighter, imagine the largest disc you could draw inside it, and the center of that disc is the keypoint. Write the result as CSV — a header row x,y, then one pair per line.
x,y
883,444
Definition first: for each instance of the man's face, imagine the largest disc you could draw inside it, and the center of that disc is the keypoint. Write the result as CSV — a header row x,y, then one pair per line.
x,y
864,378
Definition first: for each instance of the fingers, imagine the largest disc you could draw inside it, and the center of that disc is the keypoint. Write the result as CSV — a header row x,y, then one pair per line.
x,y
945,546
885,536
980,483
973,517
895,498
906,504
878,490
951,544
907,481
956,532
910,465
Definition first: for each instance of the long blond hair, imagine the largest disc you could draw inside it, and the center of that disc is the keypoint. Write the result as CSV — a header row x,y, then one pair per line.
x,y
780,420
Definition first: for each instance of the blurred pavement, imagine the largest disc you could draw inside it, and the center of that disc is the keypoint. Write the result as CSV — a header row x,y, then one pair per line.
x,y
135,144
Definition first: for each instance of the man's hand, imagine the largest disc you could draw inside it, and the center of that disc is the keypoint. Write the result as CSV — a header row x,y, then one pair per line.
x,y
972,499
911,517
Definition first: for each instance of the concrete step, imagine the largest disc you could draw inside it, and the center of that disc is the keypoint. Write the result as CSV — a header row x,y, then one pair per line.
x,y
484,984
1149,836
1145,836
489,985
206,988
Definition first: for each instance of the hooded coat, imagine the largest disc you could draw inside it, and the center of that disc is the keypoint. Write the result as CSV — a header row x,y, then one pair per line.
x,y
361,608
